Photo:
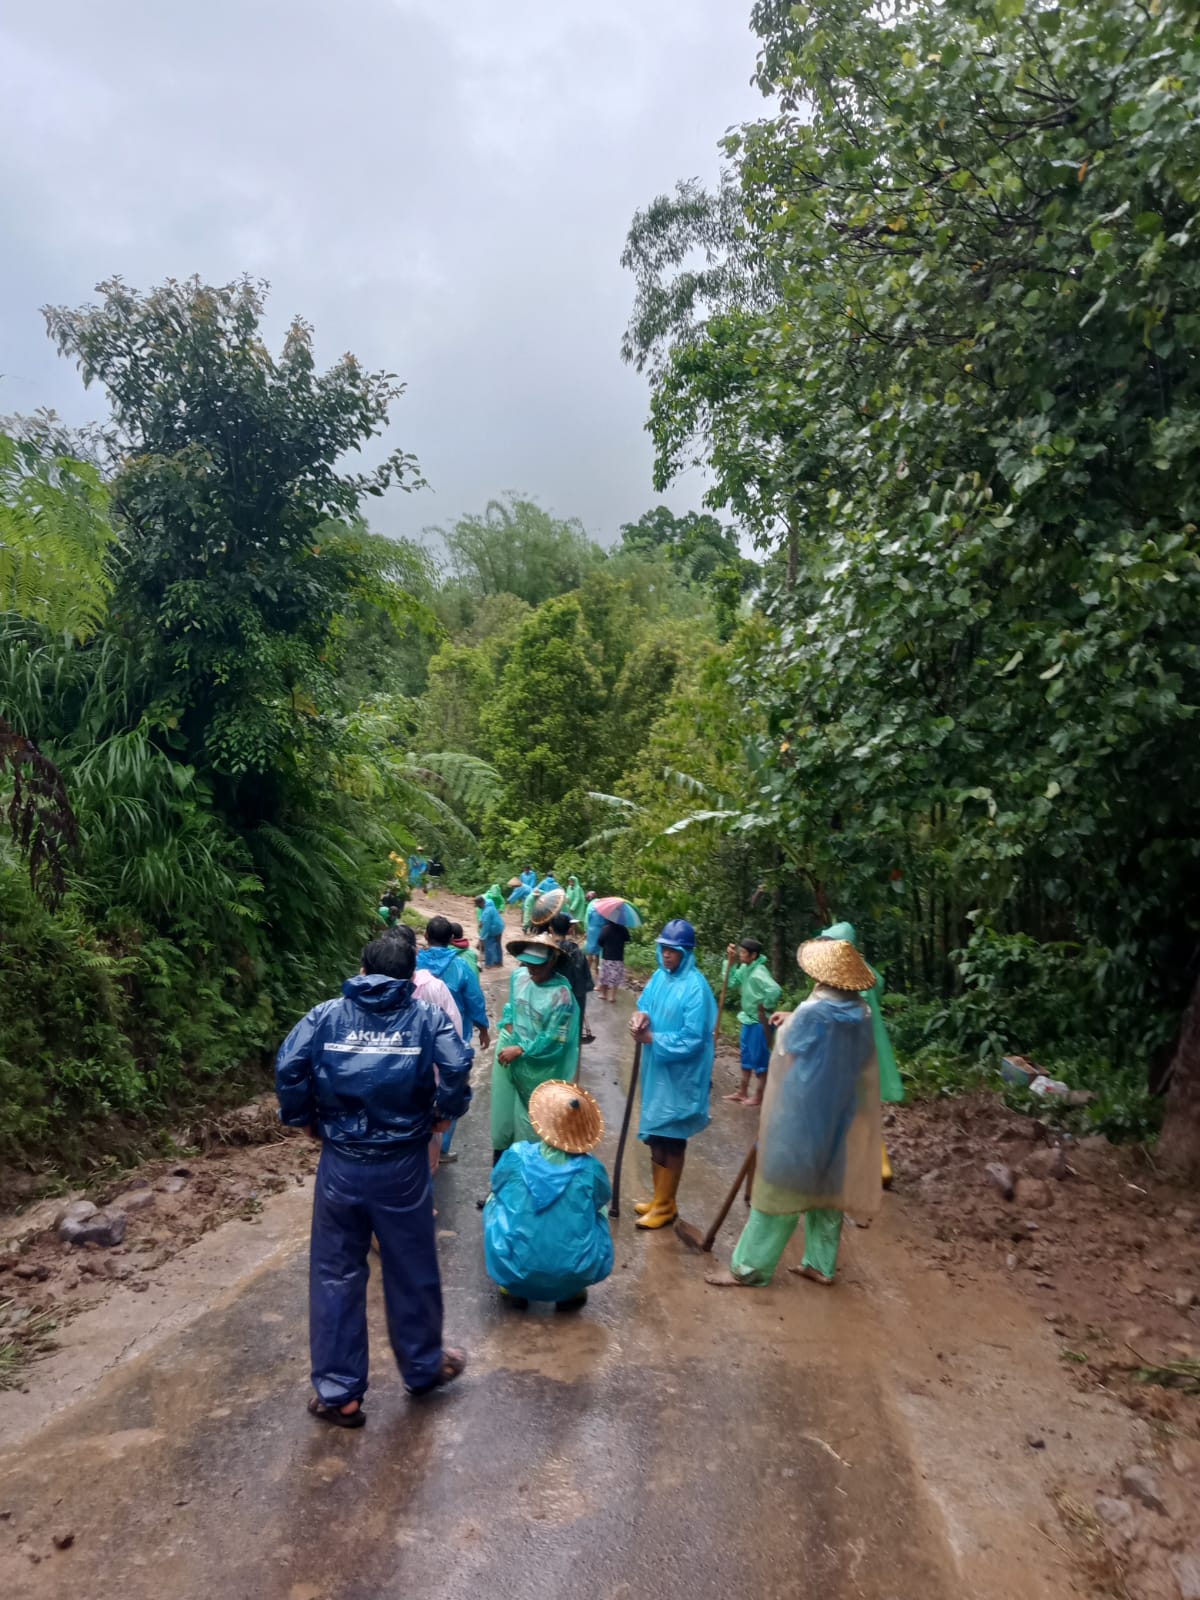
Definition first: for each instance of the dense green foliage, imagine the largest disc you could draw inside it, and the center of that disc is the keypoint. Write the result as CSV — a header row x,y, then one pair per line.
x,y
940,362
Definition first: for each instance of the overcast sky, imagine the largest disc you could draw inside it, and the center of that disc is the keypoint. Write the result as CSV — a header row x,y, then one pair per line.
x,y
441,186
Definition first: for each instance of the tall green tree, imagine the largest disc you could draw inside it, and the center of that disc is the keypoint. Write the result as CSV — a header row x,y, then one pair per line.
x,y
516,547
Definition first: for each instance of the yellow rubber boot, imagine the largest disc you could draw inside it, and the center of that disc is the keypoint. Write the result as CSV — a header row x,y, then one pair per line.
x,y
664,1210
888,1174
642,1206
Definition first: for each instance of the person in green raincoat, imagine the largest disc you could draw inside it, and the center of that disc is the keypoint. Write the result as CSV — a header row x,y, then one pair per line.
x,y
891,1084
749,976
496,895
818,1140
538,1039
576,906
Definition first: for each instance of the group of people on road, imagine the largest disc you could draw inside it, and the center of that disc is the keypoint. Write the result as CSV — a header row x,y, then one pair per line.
x,y
382,1075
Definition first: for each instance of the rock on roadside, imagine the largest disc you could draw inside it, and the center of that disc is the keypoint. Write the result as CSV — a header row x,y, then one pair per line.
x,y
105,1228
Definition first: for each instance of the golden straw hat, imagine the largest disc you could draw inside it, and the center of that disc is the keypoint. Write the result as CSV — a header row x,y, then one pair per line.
x,y
835,962
546,906
566,1116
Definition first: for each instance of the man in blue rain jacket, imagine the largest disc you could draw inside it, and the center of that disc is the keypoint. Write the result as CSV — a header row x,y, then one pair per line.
x,y
442,959
372,1075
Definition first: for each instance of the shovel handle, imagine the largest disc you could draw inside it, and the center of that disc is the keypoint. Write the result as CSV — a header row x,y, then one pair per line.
x,y
744,1173
721,1006
614,1208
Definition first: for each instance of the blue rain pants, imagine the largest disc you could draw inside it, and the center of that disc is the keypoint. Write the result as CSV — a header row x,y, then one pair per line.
x,y
448,1137
493,952
756,1053
393,1199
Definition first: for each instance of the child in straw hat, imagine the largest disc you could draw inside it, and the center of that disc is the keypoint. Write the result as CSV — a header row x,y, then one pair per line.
x,y
545,1224
818,1141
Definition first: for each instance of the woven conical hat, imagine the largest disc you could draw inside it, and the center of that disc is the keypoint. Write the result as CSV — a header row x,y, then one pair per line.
x,y
514,883
566,1116
835,962
533,941
546,906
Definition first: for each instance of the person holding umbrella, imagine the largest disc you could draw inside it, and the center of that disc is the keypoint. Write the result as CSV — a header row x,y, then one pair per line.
x,y
818,1143
538,1038
675,1025
617,918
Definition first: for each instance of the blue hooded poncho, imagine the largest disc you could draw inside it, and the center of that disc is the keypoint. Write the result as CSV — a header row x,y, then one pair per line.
x,y
677,1067
545,1227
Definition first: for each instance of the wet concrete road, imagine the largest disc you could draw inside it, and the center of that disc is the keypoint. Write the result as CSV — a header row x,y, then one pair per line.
x,y
673,1440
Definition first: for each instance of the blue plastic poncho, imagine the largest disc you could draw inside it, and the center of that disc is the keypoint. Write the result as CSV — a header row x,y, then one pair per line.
x,y
677,1067
545,1227
491,923
818,1143
594,924
445,963
891,1084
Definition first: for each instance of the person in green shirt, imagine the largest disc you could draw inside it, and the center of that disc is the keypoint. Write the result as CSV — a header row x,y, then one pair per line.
x,y
749,977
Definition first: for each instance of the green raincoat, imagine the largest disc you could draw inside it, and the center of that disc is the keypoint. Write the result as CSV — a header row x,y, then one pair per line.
x,y
754,985
891,1084
543,1018
576,903
496,895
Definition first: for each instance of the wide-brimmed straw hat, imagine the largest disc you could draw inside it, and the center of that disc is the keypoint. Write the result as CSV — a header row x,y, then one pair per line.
x,y
546,906
535,943
514,883
835,962
566,1116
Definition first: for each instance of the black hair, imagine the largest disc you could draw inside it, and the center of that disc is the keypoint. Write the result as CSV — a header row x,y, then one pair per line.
x,y
391,958
480,899
437,931
560,923
752,945
456,930
402,931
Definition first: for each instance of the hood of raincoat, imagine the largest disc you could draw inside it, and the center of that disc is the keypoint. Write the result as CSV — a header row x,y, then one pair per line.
x,y
548,882
377,992
436,958
840,930
688,964
546,1179
677,1066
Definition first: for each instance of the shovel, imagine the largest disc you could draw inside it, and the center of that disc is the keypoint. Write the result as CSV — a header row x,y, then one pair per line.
x,y
724,987
614,1209
691,1236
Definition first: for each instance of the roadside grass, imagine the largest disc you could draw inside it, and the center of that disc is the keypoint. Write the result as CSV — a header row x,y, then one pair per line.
x,y
25,1336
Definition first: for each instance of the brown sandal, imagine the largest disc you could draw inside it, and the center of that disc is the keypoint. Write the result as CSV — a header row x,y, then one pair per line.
x,y
453,1364
335,1415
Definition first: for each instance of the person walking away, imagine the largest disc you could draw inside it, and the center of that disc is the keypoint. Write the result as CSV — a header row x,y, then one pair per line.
x,y
435,993
545,1223
442,959
611,939
371,1075
750,979
818,1142
495,894
576,906
491,931
592,926
574,967
391,907
418,866
674,1023
891,1084
460,942
538,1038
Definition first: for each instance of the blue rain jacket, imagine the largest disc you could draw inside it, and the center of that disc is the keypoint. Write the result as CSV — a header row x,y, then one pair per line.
x,y
594,923
443,961
677,1067
545,1231
548,882
829,1042
491,923
374,1070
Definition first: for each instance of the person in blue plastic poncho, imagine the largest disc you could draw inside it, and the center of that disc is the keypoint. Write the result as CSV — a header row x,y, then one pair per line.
x,y
372,1075
545,1224
674,1025
891,1084
818,1140
445,962
418,866
491,931
521,886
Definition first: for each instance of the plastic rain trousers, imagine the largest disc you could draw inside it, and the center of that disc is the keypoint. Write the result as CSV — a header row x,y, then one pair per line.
x,y
544,1020
820,1134
677,1067
754,986
891,1084
576,902
765,1238
443,961
394,1200
545,1226
496,895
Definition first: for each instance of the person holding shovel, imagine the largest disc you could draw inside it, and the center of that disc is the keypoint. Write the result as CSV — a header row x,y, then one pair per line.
x,y
674,1025
818,1143
545,1223
749,976
538,1038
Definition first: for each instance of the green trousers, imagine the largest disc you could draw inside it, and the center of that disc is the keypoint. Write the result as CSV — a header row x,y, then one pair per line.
x,y
764,1239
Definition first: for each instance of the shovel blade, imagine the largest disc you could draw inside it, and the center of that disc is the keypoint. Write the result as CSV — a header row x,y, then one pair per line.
x,y
691,1236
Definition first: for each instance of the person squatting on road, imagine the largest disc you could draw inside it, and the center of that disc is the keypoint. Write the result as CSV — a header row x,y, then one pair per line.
x,y
891,1084
371,1075
750,979
538,1039
674,1025
545,1224
491,930
818,1141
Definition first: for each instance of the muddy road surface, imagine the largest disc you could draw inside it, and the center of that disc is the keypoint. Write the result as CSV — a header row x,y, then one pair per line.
x,y
673,1440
